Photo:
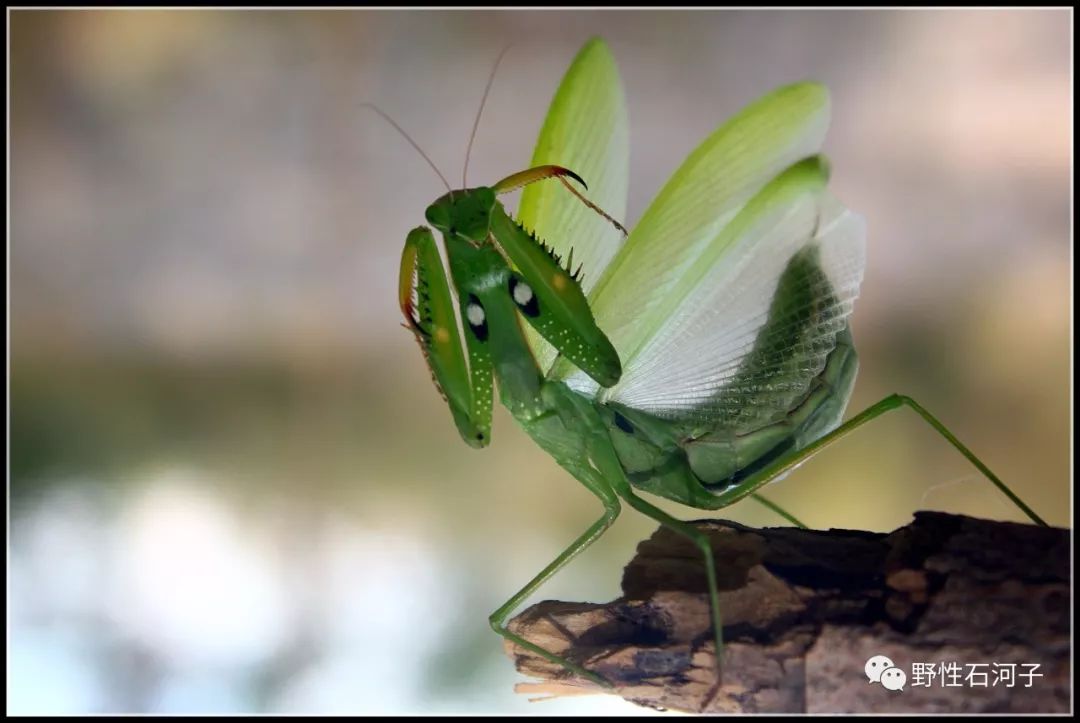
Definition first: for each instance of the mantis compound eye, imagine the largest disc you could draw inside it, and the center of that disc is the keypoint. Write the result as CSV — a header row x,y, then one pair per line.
x,y
437,216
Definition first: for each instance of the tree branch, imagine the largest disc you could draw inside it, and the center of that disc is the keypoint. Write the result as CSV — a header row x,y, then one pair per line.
x,y
804,610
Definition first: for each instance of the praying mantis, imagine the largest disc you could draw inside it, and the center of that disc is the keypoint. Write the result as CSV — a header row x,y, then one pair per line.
x,y
697,358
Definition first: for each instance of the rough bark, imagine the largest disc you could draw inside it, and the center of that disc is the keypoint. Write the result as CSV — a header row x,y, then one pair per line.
x,y
804,610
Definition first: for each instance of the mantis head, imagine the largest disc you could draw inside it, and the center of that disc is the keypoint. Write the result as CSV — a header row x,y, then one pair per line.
x,y
465,213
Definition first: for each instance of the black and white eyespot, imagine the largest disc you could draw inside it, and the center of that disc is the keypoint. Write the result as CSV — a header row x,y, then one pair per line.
x,y
477,319
476,314
523,296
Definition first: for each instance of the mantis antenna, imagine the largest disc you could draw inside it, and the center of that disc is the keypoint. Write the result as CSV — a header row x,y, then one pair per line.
x,y
479,112
419,150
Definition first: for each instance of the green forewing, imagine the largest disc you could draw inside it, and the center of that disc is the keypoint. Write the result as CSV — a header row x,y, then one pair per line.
x,y
632,300
585,130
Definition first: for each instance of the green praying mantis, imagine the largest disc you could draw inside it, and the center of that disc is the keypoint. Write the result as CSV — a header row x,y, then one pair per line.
x,y
699,357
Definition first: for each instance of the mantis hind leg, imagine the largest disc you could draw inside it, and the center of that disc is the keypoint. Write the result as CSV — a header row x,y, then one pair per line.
x,y
778,510
498,618
893,401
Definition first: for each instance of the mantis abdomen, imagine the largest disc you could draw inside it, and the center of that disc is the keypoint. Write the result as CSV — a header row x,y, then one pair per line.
x,y
668,459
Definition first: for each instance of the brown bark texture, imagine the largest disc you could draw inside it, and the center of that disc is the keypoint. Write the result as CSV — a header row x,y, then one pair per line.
x,y
804,611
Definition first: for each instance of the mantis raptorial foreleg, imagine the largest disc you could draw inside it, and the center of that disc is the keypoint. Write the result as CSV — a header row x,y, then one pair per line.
x,y
893,401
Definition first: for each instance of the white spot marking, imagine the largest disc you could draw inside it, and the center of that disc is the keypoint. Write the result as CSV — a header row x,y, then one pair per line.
x,y
522,293
475,313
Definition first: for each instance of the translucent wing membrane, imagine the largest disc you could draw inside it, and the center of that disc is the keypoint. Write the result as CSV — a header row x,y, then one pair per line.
x,y
585,131
643,284
743,347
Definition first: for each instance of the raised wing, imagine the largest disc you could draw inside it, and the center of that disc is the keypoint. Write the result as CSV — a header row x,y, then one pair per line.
x,y
661,262
761,312
586,130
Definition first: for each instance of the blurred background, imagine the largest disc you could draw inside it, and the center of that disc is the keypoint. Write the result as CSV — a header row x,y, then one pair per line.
x,y
233,487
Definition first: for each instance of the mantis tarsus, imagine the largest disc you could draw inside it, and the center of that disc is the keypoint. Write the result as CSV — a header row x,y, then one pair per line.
x,y
699,358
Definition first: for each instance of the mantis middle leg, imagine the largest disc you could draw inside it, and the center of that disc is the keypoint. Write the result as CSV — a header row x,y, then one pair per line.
x,y
607,461
598,486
